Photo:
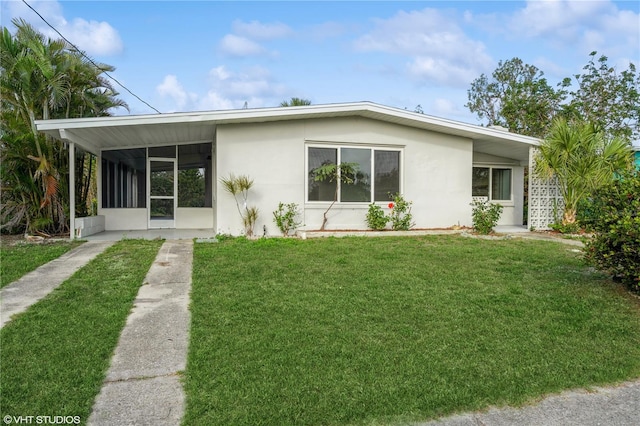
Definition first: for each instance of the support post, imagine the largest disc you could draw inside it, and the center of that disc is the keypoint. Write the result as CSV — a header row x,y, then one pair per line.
x,y
72,190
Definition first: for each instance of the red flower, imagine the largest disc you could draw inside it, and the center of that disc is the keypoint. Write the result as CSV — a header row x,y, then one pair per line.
x,y
390,205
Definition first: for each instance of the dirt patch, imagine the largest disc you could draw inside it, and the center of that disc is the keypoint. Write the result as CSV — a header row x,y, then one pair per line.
x,y
8,240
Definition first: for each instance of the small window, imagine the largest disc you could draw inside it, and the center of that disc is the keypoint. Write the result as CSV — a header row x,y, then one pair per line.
x,y
501,184
480,186
493,183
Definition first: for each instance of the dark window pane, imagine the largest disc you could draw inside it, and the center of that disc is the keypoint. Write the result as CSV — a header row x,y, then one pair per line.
x,y
480,182
162,209
163,151
124,178
501,184
360,188
387,179
322,190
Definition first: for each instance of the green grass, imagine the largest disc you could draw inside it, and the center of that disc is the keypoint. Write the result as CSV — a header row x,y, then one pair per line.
x,y
19,259
56,354
391,330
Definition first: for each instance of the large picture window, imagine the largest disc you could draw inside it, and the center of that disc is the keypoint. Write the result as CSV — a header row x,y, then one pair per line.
x,y
492,182
376,174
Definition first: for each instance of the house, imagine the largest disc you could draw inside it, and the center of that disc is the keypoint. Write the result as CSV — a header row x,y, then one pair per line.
x,y
164,170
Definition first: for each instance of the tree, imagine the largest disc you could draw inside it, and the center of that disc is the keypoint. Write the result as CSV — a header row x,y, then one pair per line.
x,y
295,102
40,79
608,98
334,173
517,96
582,159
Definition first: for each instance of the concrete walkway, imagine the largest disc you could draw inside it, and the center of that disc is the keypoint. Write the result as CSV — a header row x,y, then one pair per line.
x,y
19,295
619,406
143,384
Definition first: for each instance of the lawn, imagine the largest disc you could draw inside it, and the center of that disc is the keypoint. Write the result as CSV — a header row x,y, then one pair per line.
x,y
20,258
392,330
56,354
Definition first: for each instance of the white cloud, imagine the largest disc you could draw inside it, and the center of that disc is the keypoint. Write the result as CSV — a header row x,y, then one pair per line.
x,y
588,25
226,89
171,88
243,40
258,30
438,49
239,46
95,38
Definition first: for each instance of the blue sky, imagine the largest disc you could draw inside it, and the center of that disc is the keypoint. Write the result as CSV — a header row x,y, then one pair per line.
x,y
206,55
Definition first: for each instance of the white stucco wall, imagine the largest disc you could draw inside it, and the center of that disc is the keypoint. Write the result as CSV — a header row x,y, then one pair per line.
x,y
124,219
194,218
436,174
436,171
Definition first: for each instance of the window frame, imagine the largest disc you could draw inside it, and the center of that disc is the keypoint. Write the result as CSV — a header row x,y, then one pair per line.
x,y
490,183
338,147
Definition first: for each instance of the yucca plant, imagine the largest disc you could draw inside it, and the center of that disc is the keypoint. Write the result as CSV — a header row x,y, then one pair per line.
x,y
239,187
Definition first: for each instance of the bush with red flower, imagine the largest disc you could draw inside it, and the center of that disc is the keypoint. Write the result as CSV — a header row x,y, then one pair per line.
x,y
399,216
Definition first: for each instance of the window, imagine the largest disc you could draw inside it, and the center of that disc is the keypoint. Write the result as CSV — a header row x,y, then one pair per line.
x,y
377,174
194,175
124,178
501,184
493,183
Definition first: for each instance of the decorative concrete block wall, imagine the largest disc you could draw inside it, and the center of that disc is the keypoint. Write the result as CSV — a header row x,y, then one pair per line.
x,y
545,202
85,226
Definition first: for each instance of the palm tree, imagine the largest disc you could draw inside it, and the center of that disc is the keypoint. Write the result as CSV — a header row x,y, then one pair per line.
x,y
40,79
582,159
295,102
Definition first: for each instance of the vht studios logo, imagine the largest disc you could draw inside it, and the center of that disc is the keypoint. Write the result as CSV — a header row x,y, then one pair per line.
x,y
41,420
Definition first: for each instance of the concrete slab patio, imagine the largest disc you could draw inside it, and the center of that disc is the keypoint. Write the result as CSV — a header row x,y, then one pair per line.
x,y
19,295
143,384
153,234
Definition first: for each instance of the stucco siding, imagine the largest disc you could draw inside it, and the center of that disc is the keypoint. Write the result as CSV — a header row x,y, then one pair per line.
x,y
436,171
124,219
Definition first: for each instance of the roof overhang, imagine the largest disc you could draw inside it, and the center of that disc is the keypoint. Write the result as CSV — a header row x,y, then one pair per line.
x,y
99,133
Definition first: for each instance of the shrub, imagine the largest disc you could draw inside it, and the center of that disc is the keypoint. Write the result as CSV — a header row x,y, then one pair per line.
x,y
485,216
238,187
615,221
401,217
376,219
286,218
568,228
